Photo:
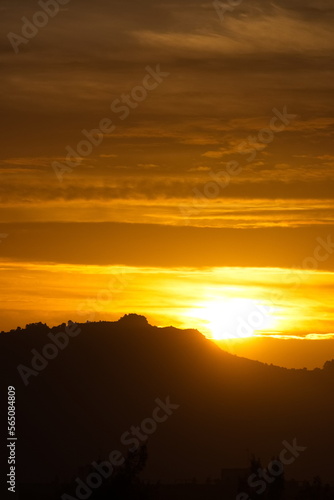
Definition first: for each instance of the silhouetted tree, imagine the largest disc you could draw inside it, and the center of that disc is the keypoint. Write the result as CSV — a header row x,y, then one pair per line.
x,y
315,491
276,488
329,366
124,483
37,328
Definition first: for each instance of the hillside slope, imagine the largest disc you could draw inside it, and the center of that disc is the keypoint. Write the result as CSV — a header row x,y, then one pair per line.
x,y
109,376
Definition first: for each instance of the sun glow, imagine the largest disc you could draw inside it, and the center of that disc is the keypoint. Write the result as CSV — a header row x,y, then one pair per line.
x,y
234,318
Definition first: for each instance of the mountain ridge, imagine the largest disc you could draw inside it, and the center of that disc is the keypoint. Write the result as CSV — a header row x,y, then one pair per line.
x,y
113,373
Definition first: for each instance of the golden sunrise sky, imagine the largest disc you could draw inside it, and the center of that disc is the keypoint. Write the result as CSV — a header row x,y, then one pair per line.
x,y
208,197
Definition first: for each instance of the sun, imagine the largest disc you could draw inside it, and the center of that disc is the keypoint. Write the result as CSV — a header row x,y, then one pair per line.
x,y
234,318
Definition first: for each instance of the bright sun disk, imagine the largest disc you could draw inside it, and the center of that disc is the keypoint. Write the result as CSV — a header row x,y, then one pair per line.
x,y
233,318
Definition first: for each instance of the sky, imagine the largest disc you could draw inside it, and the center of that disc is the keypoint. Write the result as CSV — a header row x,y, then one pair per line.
x,y
173,159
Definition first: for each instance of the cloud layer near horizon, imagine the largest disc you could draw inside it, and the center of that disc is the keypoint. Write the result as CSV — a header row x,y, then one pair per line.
x,y
225,79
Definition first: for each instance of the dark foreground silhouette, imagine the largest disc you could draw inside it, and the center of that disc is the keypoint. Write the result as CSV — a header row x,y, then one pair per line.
x,y
172,415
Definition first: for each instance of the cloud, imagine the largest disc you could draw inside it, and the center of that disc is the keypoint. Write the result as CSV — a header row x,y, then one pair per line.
x,y
225,79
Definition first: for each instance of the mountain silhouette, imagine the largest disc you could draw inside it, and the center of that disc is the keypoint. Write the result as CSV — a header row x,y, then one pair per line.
x,y
108,377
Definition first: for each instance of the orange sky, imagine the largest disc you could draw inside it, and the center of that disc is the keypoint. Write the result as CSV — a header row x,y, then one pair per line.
x,y
214,183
